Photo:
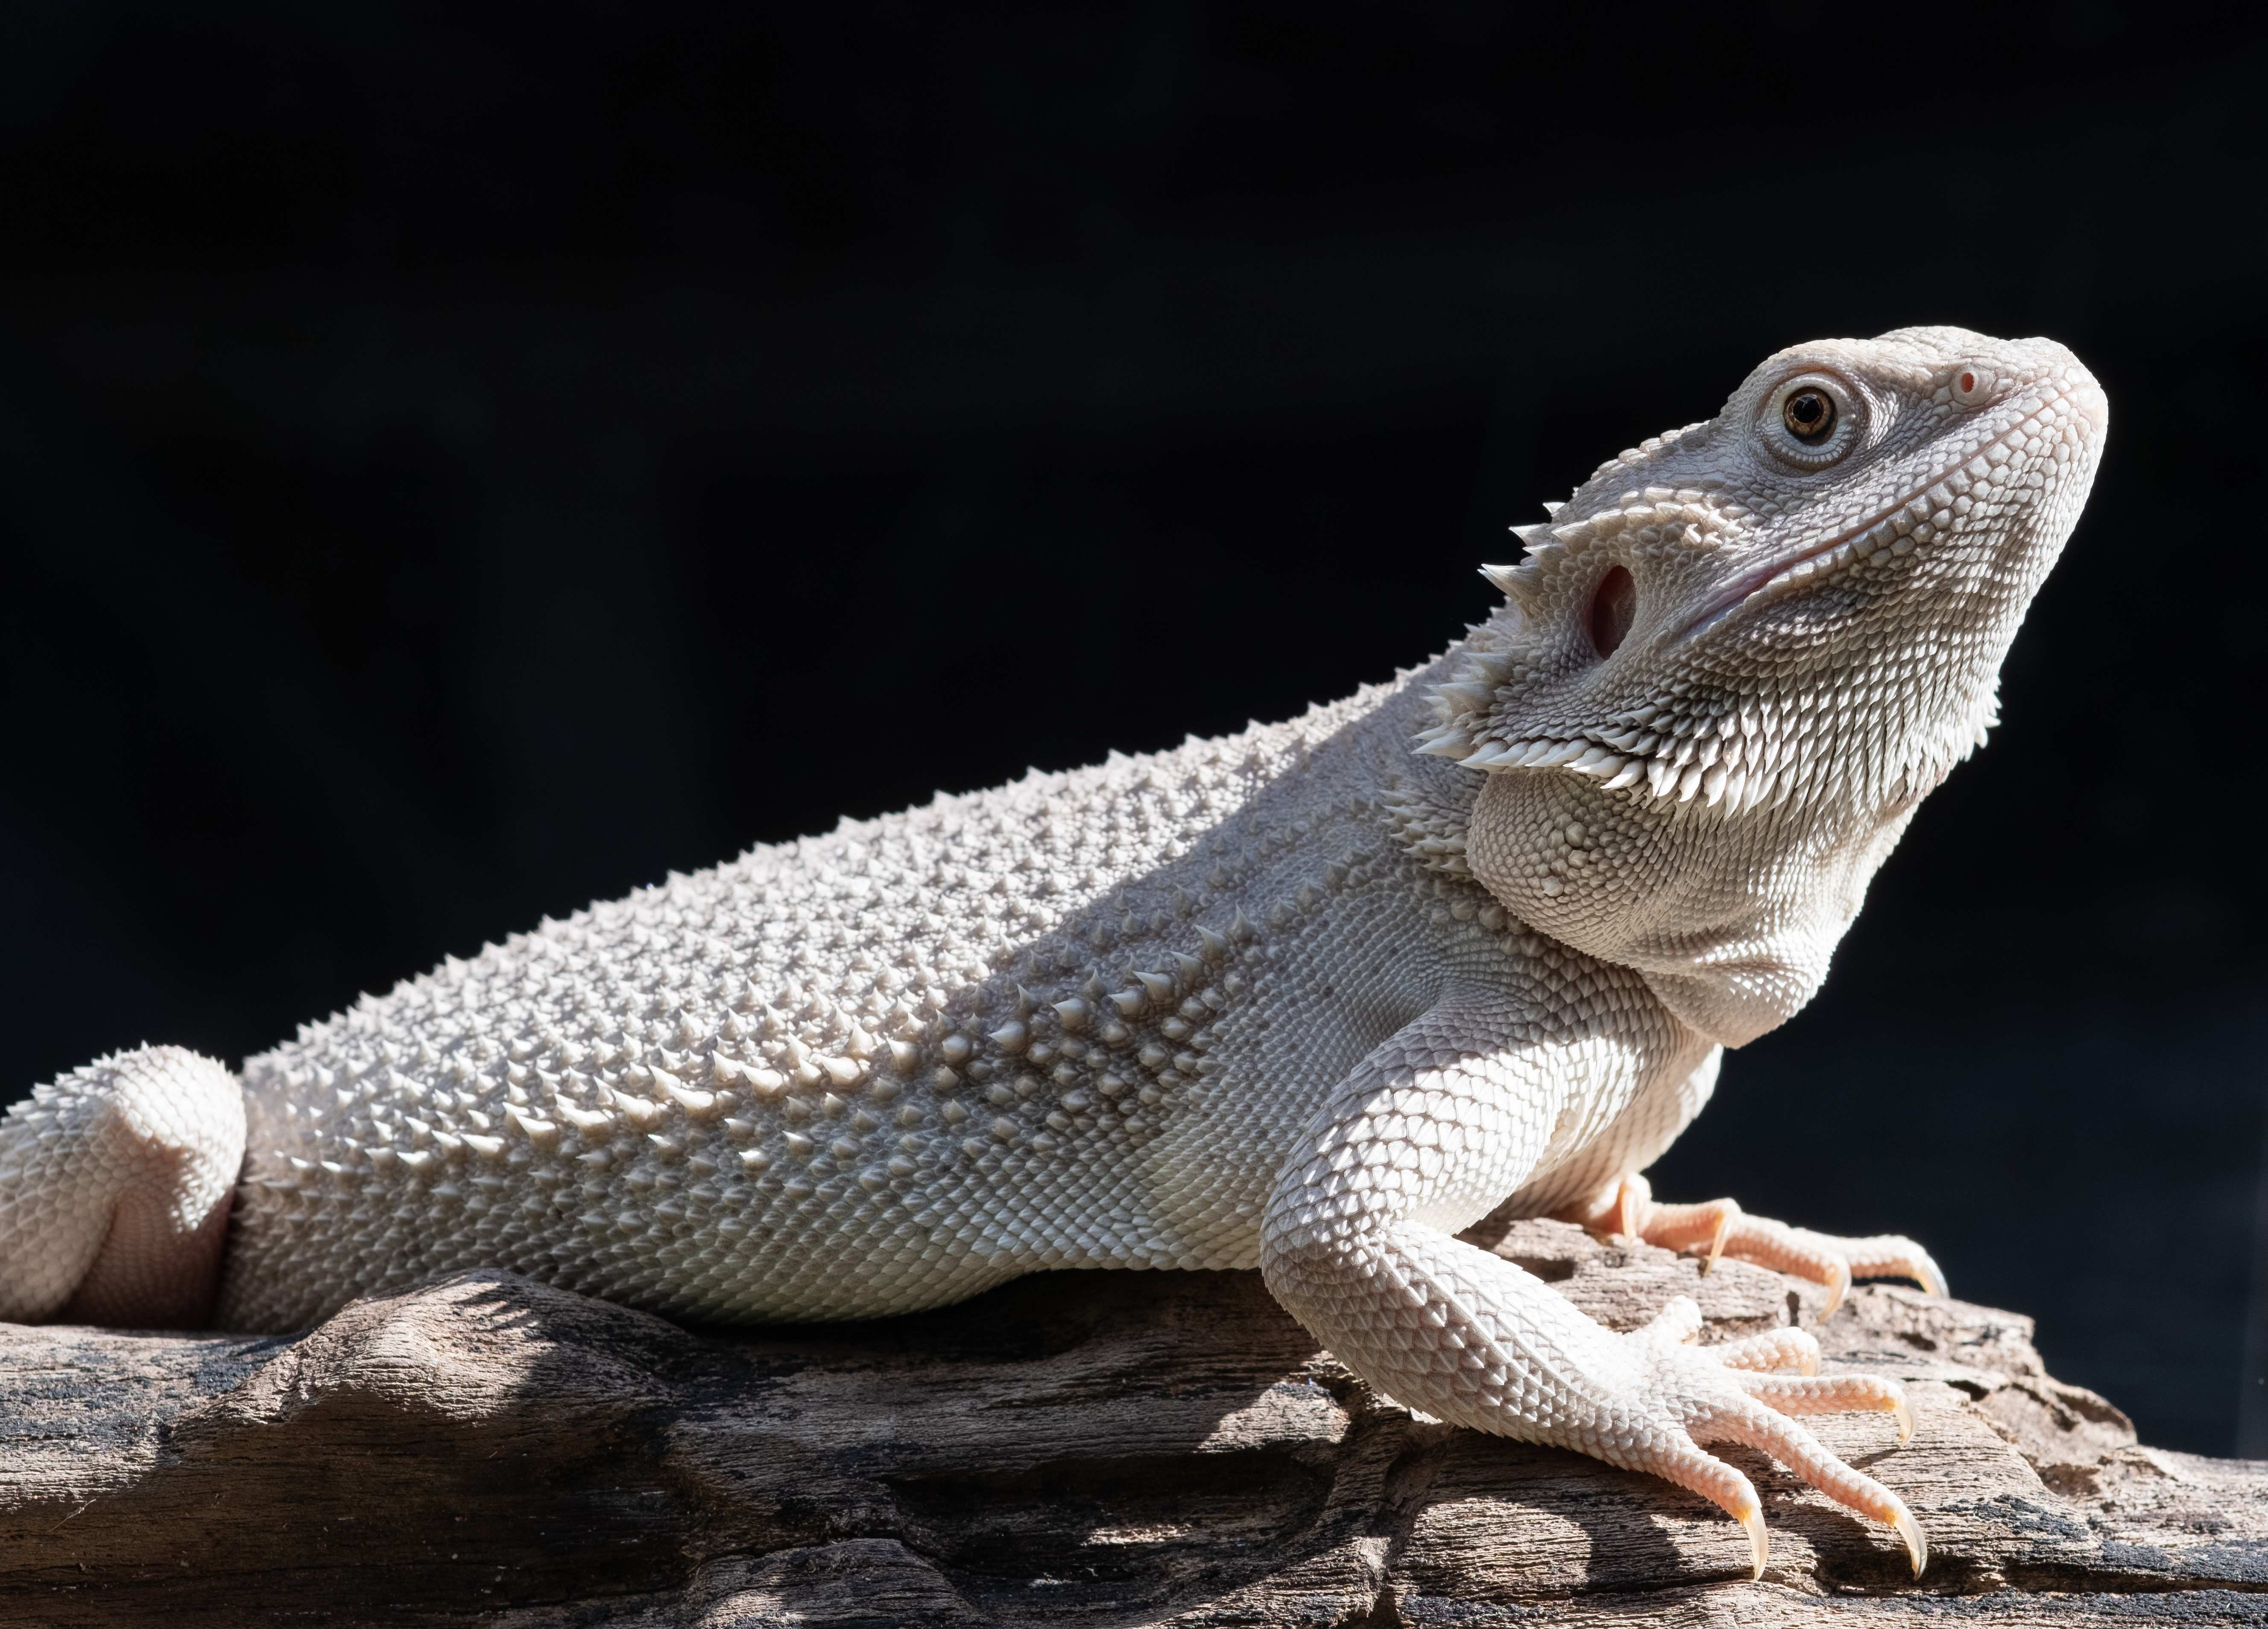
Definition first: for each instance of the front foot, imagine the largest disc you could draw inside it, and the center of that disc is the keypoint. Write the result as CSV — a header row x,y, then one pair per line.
x,y
1689,1395
1717,1228
1471,1339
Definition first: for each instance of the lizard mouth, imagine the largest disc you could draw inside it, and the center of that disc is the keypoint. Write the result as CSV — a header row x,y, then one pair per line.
x,y
1827,559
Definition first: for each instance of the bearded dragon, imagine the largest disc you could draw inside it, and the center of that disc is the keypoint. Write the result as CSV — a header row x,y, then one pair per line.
x,y
1310,999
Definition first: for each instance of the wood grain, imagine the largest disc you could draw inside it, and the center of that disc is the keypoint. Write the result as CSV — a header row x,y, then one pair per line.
x,y
1076,1448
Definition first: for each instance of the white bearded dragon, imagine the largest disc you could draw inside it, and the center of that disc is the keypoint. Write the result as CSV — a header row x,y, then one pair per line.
x,y
1311,998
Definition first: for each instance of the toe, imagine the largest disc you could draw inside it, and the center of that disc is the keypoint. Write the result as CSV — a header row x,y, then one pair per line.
x,y
1832,1394
1830,1261
1749,1423
1701,1229
1791,1251
1720,1228
1788,1348
1678,1459
1892,1256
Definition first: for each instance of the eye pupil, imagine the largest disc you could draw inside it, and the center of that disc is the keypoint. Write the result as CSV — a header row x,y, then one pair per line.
x,y
1809,415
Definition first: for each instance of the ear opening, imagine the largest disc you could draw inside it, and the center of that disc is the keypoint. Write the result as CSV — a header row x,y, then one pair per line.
x,y
1613,609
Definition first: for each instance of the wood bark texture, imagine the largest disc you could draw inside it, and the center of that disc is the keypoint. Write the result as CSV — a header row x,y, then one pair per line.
x,y
1076,1448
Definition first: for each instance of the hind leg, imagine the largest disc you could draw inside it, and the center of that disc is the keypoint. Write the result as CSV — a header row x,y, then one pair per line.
x,y
114,1190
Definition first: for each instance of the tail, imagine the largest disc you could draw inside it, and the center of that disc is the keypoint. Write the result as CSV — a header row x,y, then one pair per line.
x,y
114,1190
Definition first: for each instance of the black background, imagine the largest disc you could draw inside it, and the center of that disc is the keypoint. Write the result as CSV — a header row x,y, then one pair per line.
x,y
461,461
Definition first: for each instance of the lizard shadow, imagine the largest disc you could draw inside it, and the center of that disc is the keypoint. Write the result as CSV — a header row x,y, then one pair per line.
x,y
1076,1446
1483,1516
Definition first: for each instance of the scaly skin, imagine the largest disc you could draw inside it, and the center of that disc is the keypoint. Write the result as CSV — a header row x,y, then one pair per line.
x,y
1302,999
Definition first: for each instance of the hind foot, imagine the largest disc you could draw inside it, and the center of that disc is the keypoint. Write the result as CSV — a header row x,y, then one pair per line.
x,y
114,1190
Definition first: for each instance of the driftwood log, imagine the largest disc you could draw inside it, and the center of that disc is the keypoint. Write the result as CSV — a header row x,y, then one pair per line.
x,y
1077,1447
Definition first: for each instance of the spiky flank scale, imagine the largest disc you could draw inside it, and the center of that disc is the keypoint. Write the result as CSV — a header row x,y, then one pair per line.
x,y
1302,999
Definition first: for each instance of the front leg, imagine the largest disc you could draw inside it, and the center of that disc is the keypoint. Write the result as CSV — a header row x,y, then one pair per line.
x,y
1716,1228
1452,1111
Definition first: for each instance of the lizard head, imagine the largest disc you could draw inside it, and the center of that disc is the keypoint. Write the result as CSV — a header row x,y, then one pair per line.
x,y
1735,660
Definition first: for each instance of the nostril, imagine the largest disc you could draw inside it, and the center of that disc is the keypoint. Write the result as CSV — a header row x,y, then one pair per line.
x,y
1614,607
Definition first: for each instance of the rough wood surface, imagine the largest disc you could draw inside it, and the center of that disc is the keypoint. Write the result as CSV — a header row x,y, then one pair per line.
x,y
1104,1448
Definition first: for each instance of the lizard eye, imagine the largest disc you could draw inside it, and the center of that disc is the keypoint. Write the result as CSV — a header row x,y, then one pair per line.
x,y
1810,422
1809,415
1614,607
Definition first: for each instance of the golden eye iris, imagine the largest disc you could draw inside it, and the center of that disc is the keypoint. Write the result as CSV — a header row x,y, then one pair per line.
x,y
1809,415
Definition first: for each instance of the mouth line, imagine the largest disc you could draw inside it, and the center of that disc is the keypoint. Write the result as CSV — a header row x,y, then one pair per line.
x,y
1744,589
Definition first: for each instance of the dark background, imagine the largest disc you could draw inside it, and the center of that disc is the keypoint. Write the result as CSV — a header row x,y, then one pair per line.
x,y
455,462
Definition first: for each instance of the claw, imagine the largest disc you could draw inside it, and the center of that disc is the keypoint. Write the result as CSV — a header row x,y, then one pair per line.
x,y
1903,1413
1628,1201
1717,1240
1752,1517
1838,1285
1908,1530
